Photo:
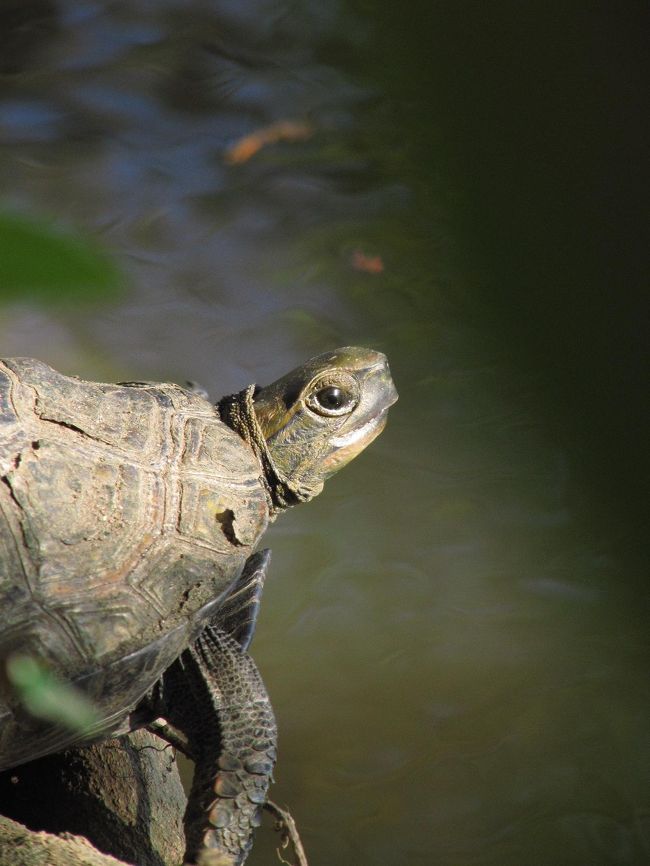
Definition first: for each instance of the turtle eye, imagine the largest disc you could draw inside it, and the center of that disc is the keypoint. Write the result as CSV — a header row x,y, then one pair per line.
x,y
331,400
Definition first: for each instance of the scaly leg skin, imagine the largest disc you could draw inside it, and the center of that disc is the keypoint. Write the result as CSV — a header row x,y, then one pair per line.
x,y
215,696
234,762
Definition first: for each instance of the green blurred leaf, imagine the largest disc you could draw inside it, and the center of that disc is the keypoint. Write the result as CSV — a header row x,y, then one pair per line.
x,y
42,262
46,697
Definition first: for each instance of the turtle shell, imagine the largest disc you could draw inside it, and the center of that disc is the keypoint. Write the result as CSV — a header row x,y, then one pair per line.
x,y
126,512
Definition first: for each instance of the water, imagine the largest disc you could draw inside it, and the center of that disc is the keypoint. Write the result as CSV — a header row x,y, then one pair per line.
x,y
454,634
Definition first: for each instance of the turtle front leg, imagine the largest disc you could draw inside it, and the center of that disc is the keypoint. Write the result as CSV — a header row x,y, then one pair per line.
x,y
215,696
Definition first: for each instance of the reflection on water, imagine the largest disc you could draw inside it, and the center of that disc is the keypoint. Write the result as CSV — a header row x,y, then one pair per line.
x,y
451,634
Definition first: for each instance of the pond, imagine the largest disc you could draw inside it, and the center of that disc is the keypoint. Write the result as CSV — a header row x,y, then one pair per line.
x,y
454,635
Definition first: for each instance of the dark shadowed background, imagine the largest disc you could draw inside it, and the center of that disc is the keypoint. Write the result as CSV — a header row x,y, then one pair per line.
x,y
455,634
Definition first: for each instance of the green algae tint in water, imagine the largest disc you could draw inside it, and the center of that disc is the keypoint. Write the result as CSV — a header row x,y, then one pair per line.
x,y
454,633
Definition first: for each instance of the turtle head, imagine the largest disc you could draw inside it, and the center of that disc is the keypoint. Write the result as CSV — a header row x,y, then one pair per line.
x,y
313,421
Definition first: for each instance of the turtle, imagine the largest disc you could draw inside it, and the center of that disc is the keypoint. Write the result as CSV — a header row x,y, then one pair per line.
x,y
130,517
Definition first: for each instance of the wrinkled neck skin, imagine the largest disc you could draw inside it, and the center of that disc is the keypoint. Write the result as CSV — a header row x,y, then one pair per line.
x,y
301,447
297,441
238,413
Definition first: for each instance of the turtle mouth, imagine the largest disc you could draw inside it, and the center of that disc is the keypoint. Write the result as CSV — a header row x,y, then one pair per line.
x,y
365,432
352,441
349,444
